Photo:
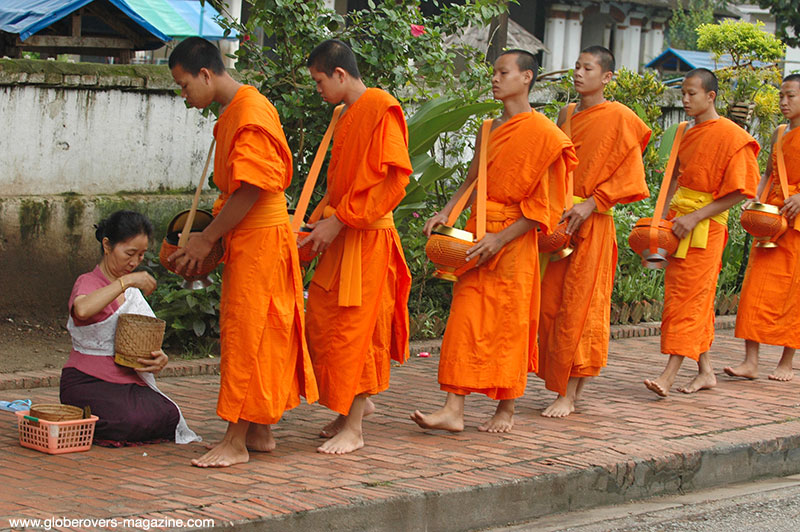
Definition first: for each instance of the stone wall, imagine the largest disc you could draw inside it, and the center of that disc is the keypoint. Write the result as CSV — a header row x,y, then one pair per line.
x,y
77,142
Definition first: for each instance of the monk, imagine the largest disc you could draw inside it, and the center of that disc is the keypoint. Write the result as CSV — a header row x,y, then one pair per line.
x,y
716,169
574,319
769,307
265,365
357,311
489,344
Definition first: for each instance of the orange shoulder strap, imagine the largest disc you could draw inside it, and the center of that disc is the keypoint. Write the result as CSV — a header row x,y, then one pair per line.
x,y
571,178
313,174
480,182
665,183
784,181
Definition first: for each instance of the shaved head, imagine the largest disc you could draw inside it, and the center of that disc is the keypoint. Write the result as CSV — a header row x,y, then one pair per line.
x,y
604,57
792,77
332,54
707,79
525,61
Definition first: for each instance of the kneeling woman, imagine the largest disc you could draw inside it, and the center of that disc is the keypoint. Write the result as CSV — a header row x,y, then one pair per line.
x,y
129,404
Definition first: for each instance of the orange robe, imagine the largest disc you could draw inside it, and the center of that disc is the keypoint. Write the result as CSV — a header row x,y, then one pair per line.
x,y
716,157
489,345
265,365
357,314
574,322
769,308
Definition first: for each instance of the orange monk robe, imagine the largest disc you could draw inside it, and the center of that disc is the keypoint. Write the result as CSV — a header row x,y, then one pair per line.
x,y
769,307
489,345
357,314
574,322
716,157
265,365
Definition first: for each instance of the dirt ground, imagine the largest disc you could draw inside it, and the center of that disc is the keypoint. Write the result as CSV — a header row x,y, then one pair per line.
x,y
28,345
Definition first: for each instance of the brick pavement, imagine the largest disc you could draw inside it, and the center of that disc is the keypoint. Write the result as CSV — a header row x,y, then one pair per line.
x,y
622,442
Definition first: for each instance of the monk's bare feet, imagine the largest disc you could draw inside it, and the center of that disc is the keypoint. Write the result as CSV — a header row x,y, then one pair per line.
x,y
657,387
442,419
503,418
782,374
346,441
703,381
332,429
745,370
561,407
260,439
224,454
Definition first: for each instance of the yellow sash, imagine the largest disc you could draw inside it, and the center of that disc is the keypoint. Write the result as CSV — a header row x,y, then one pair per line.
x,y
686,201
577,199
269,210
344,259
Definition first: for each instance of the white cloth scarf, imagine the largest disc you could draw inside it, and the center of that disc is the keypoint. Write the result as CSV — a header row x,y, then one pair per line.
x,y
97,339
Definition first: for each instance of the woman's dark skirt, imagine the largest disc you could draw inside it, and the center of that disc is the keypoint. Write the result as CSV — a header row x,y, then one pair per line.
x,y
128,413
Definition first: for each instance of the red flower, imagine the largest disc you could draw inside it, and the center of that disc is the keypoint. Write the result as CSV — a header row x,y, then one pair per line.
x,y
246,38
417,30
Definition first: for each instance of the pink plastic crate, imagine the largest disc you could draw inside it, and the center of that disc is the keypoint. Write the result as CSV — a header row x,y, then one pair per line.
x,y
56,437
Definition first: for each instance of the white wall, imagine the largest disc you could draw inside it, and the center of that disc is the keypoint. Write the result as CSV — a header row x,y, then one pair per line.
x,y
91,141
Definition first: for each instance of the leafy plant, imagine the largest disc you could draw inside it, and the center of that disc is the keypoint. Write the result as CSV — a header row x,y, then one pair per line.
x,y
681,32
192,316
787,17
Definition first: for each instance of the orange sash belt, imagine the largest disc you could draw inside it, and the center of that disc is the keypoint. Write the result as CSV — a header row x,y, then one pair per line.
x,y
269,210
344,260
500,212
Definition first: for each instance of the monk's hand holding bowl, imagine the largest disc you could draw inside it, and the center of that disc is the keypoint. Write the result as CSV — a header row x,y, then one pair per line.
x,y
683,225
323,233
791,207
189,258
141,280
578,214
486,248
155,364
433,221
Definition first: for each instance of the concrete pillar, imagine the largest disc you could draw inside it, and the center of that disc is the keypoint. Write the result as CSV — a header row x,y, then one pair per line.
x,y
627,42
554,30
229,46
652,40
572,38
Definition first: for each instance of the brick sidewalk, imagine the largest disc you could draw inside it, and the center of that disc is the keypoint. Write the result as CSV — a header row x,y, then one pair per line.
x,y
622,442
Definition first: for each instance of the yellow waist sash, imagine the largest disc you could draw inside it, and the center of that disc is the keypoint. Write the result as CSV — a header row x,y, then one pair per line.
x,y
269,210
578,199
344,259
686,201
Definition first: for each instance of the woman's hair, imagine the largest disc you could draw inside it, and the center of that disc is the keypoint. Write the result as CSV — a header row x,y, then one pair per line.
x,y
122,226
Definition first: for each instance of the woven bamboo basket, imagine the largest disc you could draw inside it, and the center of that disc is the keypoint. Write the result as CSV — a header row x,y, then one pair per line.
x,y
558,242
667,243
56,412
137,337
447,250
170,243
764,222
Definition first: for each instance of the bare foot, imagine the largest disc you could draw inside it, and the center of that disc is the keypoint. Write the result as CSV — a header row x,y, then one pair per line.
x,y
346,441
561,407
703,381
657,387
782,374
224,454
442,419
503,418
748,371
332,429
259,438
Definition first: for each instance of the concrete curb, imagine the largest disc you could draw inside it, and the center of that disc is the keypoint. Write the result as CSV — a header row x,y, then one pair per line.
x,y
523,499
210,366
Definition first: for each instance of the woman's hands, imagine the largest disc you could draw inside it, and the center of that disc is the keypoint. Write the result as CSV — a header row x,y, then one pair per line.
x,y
155,364
141,280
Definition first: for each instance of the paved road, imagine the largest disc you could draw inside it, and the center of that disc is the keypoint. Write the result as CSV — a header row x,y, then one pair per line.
x,y
771,505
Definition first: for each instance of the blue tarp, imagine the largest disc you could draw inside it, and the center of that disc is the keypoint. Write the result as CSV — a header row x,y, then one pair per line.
x,y
26,17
